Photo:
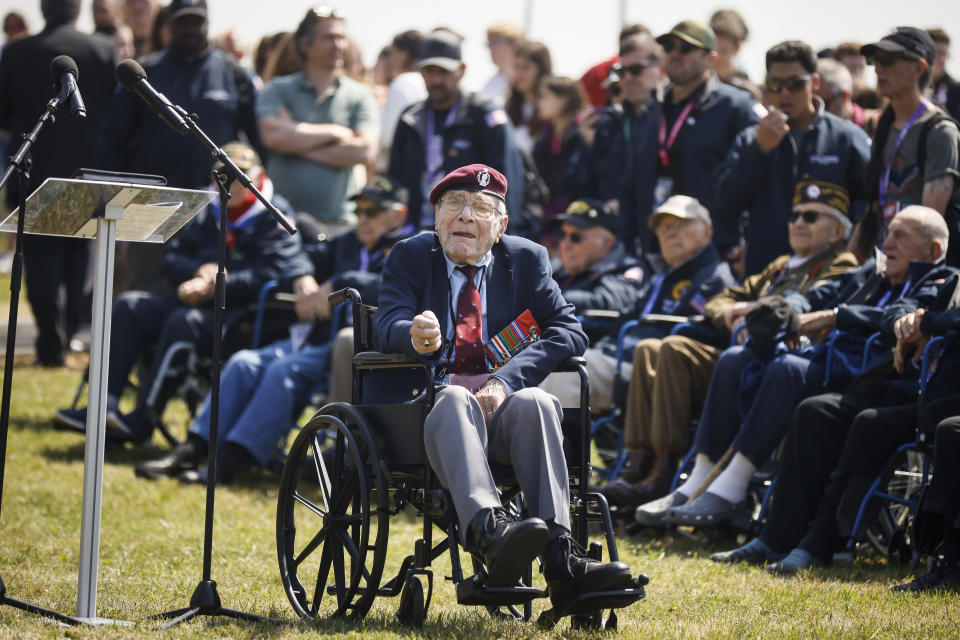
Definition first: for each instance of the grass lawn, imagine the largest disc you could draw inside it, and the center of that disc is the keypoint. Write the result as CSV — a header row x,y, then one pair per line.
x,y
151,550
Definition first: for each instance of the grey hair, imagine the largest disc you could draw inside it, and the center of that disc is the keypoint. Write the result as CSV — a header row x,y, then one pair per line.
x,y
836,76
933,225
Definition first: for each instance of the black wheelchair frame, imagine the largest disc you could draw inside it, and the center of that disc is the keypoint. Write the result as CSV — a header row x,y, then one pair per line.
x,y
354,490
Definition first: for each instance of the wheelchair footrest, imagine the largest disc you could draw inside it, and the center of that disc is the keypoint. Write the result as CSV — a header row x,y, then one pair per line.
x,y
591,602
473,592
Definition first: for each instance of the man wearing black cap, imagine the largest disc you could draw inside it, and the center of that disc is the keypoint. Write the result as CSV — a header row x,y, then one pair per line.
x,y
451,297
915,157
319,125
202,80
701,118
450,129
62,148
266,389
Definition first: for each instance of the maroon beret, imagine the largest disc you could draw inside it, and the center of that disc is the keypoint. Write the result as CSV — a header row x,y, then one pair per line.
x,y
473,177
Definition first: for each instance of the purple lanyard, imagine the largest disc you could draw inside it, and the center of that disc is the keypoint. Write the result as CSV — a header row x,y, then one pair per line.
x,y
435,147
885,178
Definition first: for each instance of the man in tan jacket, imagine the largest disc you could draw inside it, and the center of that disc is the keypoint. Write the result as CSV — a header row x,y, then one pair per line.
x,y
670,376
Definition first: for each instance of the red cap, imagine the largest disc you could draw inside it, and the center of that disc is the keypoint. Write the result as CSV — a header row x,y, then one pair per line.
x,y
473,177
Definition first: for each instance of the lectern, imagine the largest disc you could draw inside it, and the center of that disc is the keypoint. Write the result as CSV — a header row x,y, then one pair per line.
x,y
110,209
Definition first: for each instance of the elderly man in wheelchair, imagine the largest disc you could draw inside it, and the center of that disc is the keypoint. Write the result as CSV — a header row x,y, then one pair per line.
x,y
443,295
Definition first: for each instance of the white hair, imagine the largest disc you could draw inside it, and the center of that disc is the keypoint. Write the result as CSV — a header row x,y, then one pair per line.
x,y
932,223
836,76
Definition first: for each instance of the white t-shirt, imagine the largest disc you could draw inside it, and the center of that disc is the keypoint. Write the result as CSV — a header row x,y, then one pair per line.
x,y
406,89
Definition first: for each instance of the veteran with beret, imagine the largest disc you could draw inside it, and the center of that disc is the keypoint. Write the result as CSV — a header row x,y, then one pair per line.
x,y
446,296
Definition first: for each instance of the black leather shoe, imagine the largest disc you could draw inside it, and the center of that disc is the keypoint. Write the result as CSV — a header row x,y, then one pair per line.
x,y
570,573
505,544
184,458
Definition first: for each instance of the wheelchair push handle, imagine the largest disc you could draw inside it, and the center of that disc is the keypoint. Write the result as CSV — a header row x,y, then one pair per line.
x,y
343,295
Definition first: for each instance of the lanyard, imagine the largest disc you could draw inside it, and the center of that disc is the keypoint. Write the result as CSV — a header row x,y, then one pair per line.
x,y
449,352
366,257
885,177
657,285
666,144
435,145
882,302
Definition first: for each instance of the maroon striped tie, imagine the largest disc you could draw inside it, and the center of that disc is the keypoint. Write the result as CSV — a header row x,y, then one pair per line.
x,y
469,322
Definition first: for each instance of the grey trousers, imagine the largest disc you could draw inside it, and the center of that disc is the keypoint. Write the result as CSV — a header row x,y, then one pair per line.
x,y
524,433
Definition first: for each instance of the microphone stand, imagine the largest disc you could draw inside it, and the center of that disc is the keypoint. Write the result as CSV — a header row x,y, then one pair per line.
x,y
205,600
20,163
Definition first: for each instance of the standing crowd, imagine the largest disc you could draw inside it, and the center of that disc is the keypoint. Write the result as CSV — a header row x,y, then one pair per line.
x,y
664,184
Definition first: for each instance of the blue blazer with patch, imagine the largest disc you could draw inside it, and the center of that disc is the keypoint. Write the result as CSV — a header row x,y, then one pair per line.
x,y
519,278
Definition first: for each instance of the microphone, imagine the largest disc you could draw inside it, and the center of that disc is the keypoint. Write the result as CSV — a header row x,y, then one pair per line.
x,y
133,78
64,73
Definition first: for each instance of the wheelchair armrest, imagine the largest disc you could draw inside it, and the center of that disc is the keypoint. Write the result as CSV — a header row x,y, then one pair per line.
x,y
376,359
571,364
601,314
343,295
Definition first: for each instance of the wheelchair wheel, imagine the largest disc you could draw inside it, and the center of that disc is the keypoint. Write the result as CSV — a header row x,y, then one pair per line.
x,y
888,535
336,498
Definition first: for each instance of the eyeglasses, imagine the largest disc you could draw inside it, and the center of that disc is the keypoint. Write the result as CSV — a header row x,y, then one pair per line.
x,y
672,43
454,204
367,212
886,58
808,216
633,69
575,238
793,84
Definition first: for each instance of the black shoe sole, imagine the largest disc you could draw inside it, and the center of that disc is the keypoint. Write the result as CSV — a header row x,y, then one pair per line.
x,y
510,563
156,474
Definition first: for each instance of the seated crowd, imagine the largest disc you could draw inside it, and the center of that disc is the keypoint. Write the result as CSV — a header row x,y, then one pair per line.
x,y
757,234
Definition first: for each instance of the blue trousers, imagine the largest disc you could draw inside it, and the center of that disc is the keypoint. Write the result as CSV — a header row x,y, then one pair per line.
x,y
787,380
262,392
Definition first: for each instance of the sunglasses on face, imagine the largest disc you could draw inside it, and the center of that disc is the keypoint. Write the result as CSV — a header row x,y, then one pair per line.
x,y
575,238
674,43
886,58
632,69
367,212
793,84
808,216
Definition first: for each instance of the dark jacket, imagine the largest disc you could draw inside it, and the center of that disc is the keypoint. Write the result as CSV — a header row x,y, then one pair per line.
x,y
347,263
603,285
209,85
621,165
831,150
720,113
683,291
261,251
480,132
415,279
946,95
552,165
25,88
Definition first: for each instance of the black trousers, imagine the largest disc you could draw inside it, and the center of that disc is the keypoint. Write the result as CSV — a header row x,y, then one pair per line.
x,y
943,497
54,272
832,439
141,320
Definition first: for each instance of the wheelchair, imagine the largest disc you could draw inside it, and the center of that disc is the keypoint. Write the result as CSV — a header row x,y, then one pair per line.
x,y
336,501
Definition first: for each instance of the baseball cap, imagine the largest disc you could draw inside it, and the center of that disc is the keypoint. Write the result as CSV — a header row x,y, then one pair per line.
x,y
180,8
242,155
696,33
586,214
909,40
473,177
441,49
683,207
383,190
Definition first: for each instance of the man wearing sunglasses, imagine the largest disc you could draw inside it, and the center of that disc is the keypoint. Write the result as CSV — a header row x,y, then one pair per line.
x,y
620,164
701,118
916,149
796,140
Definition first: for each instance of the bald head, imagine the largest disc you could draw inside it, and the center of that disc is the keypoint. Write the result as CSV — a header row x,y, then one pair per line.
x,y
932,223
916,234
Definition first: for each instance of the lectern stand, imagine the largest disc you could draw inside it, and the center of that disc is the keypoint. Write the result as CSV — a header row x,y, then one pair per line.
x,y
107,211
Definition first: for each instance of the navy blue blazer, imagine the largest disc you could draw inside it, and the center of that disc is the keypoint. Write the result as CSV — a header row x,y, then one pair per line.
x,y
520,278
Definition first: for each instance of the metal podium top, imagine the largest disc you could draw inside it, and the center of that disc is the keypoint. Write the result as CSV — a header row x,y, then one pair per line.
x,y
66,207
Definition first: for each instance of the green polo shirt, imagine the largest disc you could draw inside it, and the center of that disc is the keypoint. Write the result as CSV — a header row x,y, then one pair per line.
x,y
311,187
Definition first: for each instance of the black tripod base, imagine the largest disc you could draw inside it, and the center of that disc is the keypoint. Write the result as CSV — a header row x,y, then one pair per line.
x,y
34,609
206,602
